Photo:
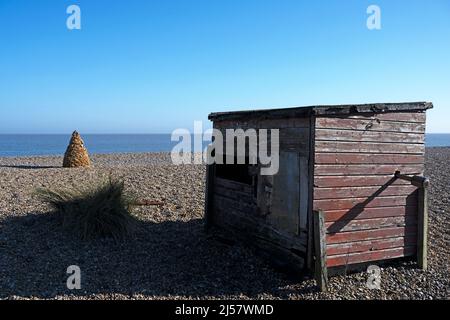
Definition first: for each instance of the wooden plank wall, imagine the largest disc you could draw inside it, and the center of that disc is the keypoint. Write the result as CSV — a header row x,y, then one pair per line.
x,y
263,217
369,215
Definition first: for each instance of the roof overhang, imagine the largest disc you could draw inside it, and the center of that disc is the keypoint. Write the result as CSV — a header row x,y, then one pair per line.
x,y
323,110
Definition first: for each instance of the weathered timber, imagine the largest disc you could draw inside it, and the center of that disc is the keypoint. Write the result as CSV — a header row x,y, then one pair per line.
x,y
307,111
240,206
294,139
365,169
310,218
422,231
369,147
304,193
320,251
370,213
372,125
361,203
285,212
368,136
374,107
289,139
340,160
255,226
358,192
352,158
371,234
377,255
417,181
256,232
233,185
419,117
209,194
264,123
366,224
357,181
234,194
370,245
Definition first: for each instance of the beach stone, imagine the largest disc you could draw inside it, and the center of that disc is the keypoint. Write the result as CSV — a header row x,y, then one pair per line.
x,y
76,155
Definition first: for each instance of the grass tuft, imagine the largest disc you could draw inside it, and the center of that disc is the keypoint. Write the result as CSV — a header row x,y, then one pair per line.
x,y
101,211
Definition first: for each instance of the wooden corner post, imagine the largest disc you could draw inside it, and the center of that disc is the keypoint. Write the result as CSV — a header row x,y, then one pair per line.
x,y
209,194
320,246
422,220
422,224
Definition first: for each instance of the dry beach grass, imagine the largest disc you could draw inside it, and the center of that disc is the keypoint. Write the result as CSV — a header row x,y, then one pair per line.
x,y
171,257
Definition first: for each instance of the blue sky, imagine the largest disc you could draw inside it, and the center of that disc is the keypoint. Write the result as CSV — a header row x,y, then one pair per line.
x,y
153,66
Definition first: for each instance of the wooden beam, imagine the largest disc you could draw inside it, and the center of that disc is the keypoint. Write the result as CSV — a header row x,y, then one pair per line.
x,y
422,219
310,247
417,181
422,232
320,250
209,193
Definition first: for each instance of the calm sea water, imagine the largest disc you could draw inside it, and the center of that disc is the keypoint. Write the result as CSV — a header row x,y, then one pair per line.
x,y
55,144
31,145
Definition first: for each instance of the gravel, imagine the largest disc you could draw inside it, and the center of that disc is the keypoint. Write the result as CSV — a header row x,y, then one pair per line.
x,y
171,257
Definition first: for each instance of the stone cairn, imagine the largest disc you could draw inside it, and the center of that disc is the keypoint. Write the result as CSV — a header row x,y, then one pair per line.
x,y
76,154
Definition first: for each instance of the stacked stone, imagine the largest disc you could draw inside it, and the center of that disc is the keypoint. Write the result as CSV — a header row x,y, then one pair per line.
x,y
76,154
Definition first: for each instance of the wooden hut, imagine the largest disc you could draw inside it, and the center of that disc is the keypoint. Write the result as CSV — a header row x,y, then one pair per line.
x,y
349,188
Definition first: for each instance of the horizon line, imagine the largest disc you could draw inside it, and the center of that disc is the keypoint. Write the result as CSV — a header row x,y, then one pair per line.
x,y
131,133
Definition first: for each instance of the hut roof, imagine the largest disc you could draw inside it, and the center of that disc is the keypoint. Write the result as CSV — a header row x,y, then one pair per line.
x,y
321,110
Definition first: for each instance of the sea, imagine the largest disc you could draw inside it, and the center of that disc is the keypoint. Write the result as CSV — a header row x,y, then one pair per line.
x,y
15,145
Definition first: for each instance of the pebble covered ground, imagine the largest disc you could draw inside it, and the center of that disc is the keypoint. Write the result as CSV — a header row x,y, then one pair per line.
x,y
171,257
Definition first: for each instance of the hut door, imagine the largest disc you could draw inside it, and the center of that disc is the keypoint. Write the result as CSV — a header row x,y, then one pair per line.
x,y
289,194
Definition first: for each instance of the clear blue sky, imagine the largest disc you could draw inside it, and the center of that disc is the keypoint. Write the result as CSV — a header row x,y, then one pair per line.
x,y
153,66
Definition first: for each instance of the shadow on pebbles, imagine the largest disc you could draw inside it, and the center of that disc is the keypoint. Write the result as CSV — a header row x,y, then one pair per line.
x,y
170,256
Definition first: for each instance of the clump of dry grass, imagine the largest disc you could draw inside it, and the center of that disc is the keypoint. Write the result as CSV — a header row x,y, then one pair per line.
x,y
103,210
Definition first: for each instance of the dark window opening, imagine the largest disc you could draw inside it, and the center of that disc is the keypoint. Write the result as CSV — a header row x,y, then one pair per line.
x,y
244,173
235,172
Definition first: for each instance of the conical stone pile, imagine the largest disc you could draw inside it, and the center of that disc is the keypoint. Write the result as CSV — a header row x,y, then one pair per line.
x,y
76,154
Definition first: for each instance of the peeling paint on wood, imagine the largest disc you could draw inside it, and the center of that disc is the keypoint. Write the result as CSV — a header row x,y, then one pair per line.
x,y
372,125
341,161
366,169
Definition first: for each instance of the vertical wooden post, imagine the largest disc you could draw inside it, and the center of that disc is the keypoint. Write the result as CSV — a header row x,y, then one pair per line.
x,y
209,193
312,154
422,219
422,224
320,269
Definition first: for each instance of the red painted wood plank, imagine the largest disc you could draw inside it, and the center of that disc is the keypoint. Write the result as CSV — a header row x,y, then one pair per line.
x,y
377,255
369,124
369,147
364,169
371,234
369,213
357,192
367,224
340,204
368,136
353,158
393,116
357,181
371,245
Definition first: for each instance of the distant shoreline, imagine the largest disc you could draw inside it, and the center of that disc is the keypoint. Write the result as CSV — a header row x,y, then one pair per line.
x,y
125,154
45,156
55,145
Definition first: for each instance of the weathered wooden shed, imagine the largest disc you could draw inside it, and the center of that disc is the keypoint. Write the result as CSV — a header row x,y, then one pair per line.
x,y
349,190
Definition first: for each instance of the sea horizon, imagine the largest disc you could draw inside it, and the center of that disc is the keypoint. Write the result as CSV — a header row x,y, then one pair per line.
x,y
53,144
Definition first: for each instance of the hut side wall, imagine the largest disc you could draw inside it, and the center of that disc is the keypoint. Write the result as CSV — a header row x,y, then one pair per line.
x,y
263,212
369,215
